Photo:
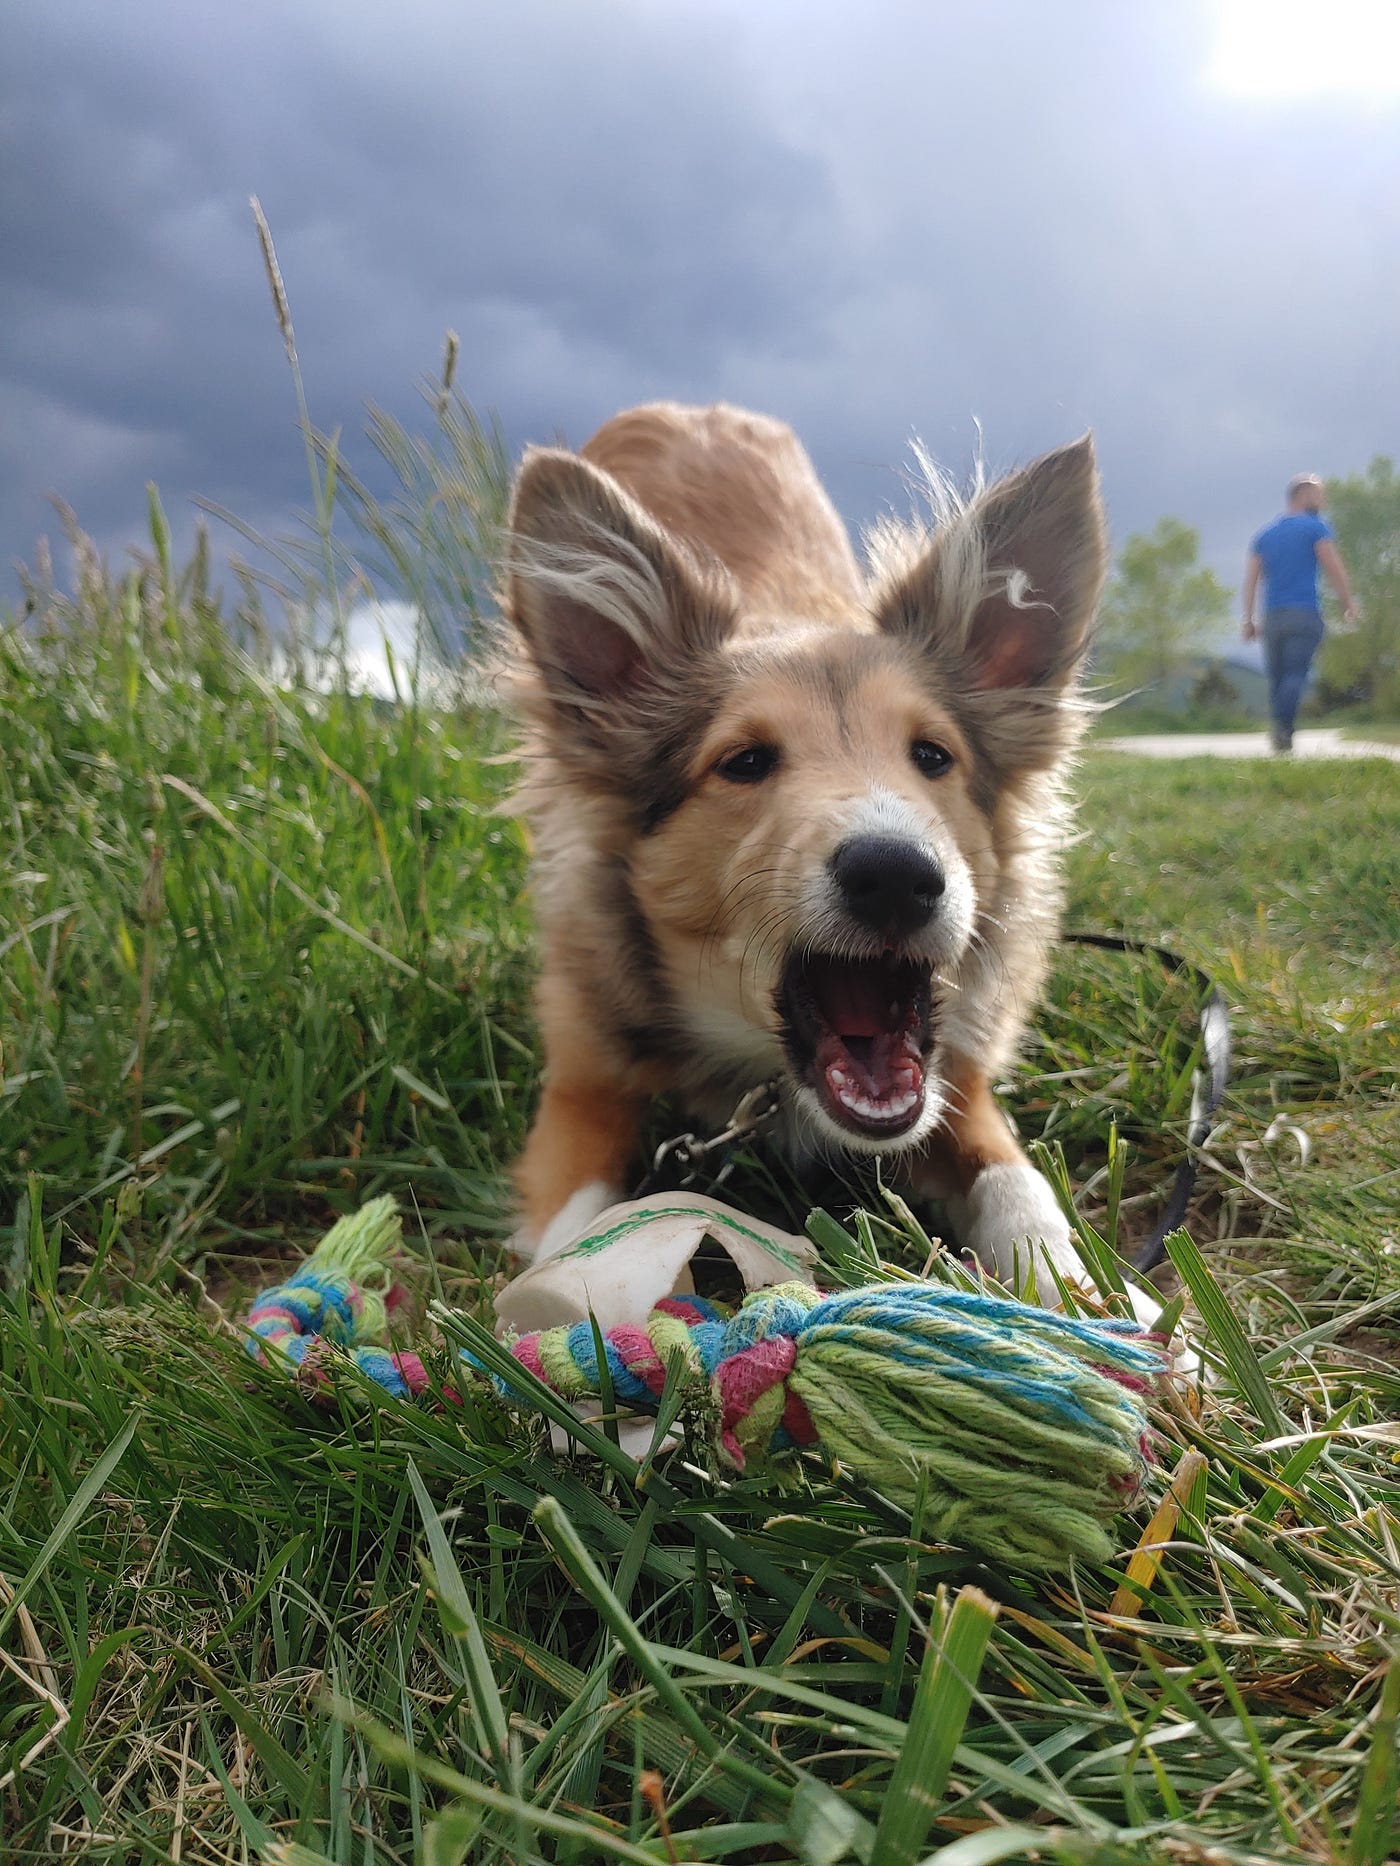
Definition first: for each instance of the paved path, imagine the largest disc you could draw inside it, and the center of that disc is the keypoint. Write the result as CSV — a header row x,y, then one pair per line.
x,y
1319,742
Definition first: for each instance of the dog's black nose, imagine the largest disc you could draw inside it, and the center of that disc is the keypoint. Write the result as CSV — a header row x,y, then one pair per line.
x,y
890,885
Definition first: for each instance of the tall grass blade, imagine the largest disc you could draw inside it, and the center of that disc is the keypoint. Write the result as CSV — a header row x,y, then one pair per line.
x,y
943,1698
74,1512
585,1574
460,1621
1223,1328
1376,1827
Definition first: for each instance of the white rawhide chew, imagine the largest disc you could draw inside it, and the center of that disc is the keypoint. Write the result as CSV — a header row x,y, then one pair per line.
x,y
625,1259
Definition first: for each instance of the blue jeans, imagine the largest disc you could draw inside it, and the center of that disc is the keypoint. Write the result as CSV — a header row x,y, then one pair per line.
x,y
1291,639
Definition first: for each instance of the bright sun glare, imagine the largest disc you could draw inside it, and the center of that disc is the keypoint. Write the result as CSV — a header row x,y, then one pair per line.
x,y
1300,48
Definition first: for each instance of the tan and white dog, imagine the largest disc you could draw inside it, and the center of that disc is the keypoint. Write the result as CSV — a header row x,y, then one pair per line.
x,y
794,821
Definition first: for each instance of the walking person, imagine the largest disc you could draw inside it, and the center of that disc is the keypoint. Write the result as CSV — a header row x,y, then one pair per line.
x,y
1288,554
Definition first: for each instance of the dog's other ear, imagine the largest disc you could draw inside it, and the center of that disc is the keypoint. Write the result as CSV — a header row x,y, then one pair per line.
x,y
1003,599
606,602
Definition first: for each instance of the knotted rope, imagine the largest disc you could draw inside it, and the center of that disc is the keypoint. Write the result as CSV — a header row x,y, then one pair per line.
x,y
341,1297
1025,1430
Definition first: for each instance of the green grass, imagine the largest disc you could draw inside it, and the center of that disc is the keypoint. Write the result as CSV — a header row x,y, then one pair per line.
x,y
1279,880
260,949
265,955
1382,732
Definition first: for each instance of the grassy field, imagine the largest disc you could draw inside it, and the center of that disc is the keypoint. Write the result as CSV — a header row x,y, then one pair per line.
x,y
1384,733
264,955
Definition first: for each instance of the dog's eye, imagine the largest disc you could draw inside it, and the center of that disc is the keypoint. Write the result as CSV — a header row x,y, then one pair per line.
x,y
750,766
931,760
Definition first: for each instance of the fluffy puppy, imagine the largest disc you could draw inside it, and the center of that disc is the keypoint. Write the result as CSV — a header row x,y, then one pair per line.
x,y
794,821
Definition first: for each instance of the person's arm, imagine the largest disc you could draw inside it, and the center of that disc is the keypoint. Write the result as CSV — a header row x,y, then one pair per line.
x,y
1330,558
1252,571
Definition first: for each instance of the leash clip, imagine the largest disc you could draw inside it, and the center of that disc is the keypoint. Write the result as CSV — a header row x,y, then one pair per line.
x,y
755,1112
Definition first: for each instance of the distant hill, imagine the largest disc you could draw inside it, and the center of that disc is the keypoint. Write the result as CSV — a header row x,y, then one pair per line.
x,y
1206,689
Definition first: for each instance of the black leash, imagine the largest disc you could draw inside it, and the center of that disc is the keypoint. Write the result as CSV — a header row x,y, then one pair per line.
x,y
1205,1098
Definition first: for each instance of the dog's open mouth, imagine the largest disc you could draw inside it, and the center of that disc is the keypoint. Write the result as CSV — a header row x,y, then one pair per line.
x,y
858,1032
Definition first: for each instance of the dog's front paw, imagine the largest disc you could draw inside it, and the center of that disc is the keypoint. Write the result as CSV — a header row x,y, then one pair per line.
x,y
1012,1223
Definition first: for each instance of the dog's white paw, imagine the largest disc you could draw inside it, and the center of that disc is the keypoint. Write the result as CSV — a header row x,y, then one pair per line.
x,y
568,1223
1011,1221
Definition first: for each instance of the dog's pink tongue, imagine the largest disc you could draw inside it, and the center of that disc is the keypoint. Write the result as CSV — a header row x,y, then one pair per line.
x,y
857,1003
870,1053
886,1068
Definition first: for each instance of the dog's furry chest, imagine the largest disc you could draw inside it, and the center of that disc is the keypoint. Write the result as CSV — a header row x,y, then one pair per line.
x,y
722,1056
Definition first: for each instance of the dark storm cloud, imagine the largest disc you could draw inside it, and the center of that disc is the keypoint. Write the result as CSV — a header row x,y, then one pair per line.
x,y
870,219
522,174
1063,227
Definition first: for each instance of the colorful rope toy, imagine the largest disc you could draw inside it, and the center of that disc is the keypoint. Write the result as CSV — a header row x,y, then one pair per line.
x,y
1025,1429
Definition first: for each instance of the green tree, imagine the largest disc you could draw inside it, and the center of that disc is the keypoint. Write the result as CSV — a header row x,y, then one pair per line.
x,y
1362,665
1161,606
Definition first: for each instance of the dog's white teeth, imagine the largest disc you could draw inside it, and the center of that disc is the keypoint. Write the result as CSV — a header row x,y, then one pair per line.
x,y
848,1093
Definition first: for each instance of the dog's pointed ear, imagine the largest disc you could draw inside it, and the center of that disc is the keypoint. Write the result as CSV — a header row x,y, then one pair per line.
x,y
1004,597
605,601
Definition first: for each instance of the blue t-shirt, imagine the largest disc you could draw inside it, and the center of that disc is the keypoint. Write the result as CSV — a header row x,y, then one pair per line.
x,y
1288,552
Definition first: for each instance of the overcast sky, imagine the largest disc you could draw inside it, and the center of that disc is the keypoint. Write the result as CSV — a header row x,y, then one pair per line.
x,y
875,218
